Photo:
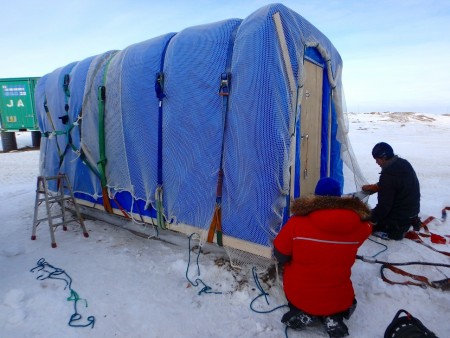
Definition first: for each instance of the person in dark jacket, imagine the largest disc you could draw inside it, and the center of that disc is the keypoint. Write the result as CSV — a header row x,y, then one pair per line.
x,y
317,248
398,191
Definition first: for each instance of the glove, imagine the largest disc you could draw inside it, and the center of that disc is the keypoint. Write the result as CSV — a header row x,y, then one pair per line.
x,y
370,188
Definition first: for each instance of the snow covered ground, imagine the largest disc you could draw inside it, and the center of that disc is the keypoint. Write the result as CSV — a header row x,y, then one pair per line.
x,y
137,287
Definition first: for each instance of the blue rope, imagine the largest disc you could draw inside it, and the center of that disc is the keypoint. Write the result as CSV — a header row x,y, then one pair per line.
x,y
385,247
263,293
51,272
198,281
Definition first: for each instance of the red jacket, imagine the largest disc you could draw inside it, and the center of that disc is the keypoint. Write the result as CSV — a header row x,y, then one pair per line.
x,y
322,238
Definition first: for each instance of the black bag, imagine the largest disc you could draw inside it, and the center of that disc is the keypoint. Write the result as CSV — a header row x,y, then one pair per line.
x,y
407,327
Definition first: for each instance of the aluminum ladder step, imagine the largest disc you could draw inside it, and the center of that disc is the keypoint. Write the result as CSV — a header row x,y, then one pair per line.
x,y
60,197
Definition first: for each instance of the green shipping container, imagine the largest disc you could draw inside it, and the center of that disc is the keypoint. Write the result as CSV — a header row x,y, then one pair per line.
x,y
17,111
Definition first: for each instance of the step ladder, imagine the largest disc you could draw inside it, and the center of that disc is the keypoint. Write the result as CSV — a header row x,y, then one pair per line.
x,y
56,216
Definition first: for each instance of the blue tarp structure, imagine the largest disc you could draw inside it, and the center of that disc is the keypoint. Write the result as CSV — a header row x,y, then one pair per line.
x,y
153,125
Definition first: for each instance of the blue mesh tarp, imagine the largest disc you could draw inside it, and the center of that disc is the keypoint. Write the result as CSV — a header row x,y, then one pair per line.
x,y
177,134
83,179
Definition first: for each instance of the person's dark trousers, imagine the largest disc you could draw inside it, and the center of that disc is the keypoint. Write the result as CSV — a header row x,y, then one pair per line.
x,y
395,230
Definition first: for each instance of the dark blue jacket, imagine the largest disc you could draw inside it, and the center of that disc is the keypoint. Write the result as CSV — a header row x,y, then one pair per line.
x,y
398,194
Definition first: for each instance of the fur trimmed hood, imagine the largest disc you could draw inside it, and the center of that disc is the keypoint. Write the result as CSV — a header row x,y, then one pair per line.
x,y
305,205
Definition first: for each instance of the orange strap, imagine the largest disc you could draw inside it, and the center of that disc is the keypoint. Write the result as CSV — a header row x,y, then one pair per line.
x,y
423,281
106,202
121,208
412,235
443,216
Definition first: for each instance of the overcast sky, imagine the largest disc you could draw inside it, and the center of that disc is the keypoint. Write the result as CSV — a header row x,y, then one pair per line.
x,y
395,52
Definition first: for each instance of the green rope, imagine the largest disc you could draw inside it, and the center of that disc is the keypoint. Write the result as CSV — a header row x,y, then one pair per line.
x,y
263,293
51,272
101,126
101,97
160,208
79,152
198,281
101,134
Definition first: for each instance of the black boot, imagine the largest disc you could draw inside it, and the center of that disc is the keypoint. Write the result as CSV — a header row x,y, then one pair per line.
x,y
297,320
335,326
416,223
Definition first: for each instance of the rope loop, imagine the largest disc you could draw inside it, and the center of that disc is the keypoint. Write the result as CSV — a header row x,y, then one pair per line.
x,y
262,294
50,272
383,250
198,281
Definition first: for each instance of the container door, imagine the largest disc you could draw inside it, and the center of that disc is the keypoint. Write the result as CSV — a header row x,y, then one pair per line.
x,y
16,105
310,139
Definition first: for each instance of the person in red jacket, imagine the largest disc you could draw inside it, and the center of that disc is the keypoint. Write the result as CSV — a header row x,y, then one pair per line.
x,y
318,246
